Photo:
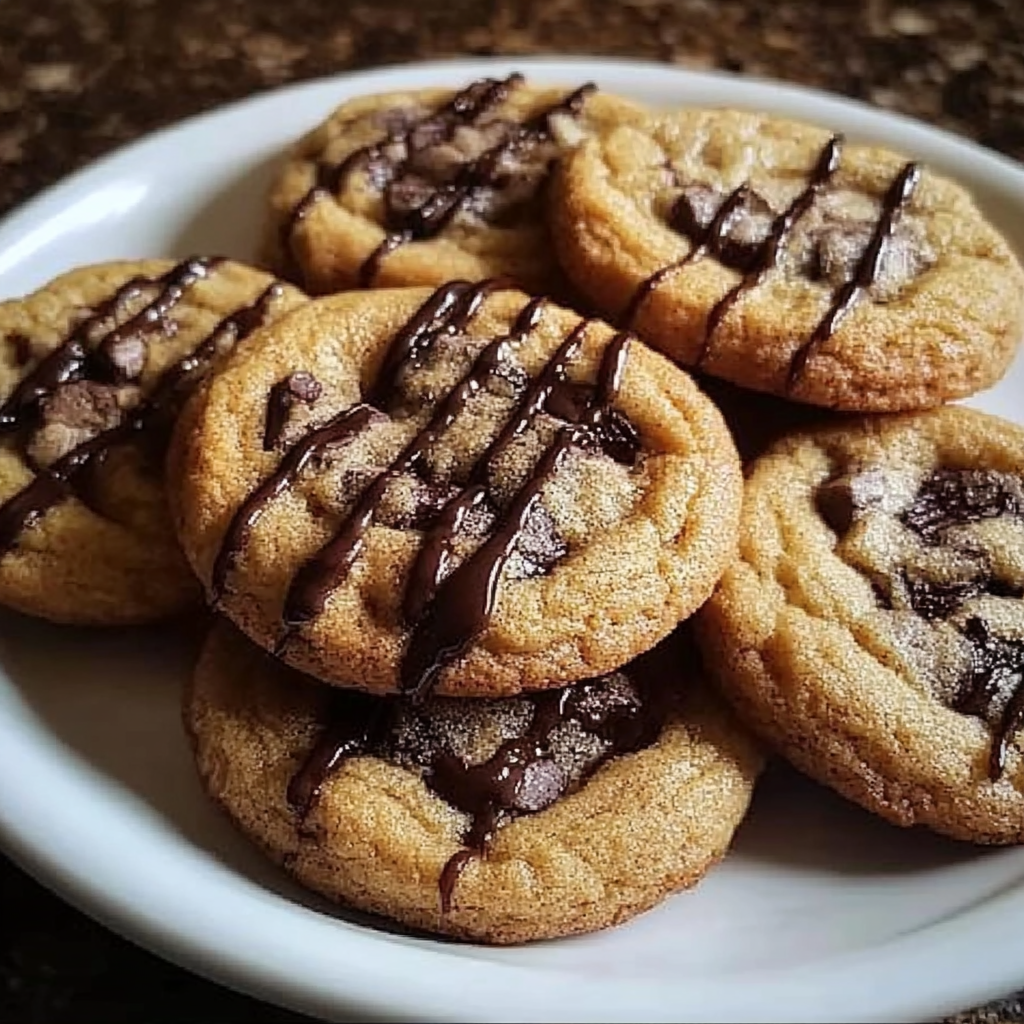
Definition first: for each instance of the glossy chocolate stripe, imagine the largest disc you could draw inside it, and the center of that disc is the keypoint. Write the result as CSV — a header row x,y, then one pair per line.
x,y
775,244
897,198
464,602
330,565
338,430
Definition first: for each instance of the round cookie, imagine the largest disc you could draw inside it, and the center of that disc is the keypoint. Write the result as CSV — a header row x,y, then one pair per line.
x,y
463,488
580,807
776,256
93,369
873,626
428,186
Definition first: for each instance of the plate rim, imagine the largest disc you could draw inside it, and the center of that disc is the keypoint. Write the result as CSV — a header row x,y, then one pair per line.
x,y
367,989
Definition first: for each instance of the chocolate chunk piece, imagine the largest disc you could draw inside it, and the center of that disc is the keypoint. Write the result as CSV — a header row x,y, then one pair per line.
x,y
694,210
746,232
950,497
994,688
841,498
300,386
124,356
71,415
540,546
934,599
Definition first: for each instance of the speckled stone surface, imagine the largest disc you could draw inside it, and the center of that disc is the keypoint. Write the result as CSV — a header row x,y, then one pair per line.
x,y
79,77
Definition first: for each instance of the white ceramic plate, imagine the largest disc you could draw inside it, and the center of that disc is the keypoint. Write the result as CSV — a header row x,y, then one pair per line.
x,y
819,913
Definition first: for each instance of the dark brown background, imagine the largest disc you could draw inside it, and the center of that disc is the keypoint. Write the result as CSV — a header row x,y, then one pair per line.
x,y
79,77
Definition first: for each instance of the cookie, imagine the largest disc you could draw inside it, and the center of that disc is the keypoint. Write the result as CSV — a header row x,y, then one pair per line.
x,y
94,368
428,186
781,258
465,488
495,820
873,626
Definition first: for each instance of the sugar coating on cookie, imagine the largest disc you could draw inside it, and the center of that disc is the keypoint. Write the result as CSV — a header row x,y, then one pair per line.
x,y
873,626
787,260
427,186
500,821
481,492
94,368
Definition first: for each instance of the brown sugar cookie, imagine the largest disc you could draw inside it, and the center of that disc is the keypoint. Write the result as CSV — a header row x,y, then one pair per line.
x,y
432,185
93,369
783,259
465,488
496,820
873,626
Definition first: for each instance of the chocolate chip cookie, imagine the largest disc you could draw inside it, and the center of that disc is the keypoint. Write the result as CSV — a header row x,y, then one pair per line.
x,y
461,488
94,368
873,625
427,186
782,258
496,820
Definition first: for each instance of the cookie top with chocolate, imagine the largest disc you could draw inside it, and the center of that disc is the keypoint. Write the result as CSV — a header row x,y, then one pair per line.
x,y
94,368
494,820
874,624
463,489
785,259
427,186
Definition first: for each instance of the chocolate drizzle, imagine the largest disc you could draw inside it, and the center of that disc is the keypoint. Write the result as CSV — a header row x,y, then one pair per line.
x,y
523,775
441,205
71,362
897,198
338,430
713,240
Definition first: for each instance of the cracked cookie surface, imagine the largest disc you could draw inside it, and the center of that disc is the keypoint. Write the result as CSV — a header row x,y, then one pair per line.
x,y
602,798
873,626
481,493
786,260
94,368
427,186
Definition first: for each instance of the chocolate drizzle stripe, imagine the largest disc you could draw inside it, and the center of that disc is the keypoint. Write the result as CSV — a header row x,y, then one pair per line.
x,y
69,361
441,207
338,430
770,251
897,198
710,240
330,565
464,602
463,108
57,482
775,244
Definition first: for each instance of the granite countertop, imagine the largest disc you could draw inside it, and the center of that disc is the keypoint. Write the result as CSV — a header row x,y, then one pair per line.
x,y
79,77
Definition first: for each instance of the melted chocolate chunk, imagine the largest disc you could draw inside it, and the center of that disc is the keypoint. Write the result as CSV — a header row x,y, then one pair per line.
x,y
841,498
23,348
934,599
953,497
300,386
125,357
71,415
997,670
559,740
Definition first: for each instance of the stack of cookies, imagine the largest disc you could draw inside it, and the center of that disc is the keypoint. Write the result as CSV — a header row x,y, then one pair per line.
x,y
452,512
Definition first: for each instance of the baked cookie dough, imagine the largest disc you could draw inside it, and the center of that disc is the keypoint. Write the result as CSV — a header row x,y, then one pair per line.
x,y
873,626
432,185
93,369
500,821
783,259
465,488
